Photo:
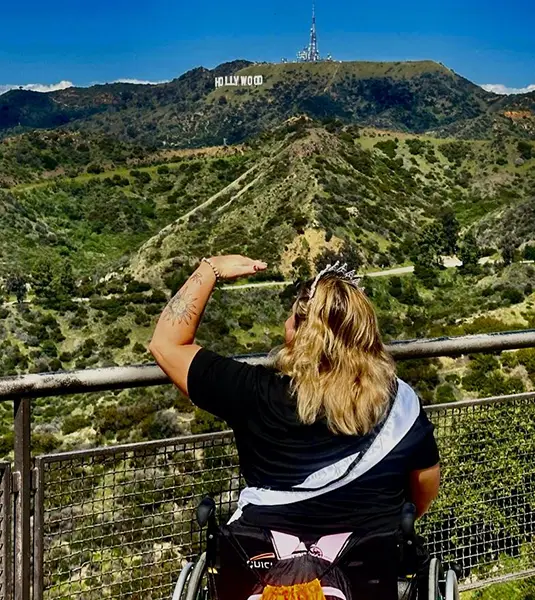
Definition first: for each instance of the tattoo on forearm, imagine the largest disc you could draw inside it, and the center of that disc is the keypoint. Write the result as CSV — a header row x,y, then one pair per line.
x,y
196,278
181,308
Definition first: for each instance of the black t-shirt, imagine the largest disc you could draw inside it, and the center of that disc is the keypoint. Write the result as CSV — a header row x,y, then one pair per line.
x,y
277,451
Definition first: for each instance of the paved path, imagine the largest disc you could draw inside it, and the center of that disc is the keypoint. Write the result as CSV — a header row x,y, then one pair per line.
x,y
449,262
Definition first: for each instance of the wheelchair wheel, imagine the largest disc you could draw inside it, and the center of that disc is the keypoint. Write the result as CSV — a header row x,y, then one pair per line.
x,y
181,583
434,580
195,589
452,587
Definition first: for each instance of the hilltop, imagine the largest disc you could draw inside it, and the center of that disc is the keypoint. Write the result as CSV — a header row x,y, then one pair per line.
x,y
312,191
416,97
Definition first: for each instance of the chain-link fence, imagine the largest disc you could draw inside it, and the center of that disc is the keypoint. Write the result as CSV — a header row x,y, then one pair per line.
x,y
484,518
119,522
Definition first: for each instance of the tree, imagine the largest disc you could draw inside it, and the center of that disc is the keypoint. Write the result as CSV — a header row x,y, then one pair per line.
x,y
469,252
42,278
66,281
450,228
428,247
525,149
508,248
347,254
16,284
53,285
301,269
529,252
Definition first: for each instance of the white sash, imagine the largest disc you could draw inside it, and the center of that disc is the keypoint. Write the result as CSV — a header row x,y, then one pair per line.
x,y
403,415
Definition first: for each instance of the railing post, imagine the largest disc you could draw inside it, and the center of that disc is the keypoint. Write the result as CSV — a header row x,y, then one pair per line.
x,y
7,523
22,486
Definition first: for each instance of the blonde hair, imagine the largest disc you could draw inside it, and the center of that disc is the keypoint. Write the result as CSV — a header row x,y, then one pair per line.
x,y
336,360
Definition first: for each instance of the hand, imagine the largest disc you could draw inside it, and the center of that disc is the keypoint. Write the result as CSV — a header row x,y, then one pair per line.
x,y
234,266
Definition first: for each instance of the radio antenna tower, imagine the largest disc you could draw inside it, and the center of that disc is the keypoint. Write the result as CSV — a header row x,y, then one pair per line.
x,y
313,52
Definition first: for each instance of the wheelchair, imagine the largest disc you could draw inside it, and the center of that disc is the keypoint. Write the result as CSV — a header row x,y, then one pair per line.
x,y
378,567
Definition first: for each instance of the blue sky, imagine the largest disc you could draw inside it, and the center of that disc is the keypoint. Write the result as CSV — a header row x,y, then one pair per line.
x,y
82,41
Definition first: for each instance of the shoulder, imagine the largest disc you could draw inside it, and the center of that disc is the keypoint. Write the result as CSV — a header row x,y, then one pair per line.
x,y
409,403
228,370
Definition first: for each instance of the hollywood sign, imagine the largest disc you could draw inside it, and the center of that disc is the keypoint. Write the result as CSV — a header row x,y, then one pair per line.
x,y
239,80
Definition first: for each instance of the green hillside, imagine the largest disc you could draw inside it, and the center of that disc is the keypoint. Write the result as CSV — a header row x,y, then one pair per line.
x,y
46,154
313,190
101,252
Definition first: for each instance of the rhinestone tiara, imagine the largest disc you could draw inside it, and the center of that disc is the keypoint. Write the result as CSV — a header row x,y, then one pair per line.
x,y
340,271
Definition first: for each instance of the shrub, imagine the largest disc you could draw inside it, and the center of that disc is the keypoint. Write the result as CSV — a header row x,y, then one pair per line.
x,y
117,337
445,393
7,442
44,442
88,348
142,176
525,149
512,295
206,423
529,252
48,348
388,147
139,348
246,322
137,287
158,296
74,423
415,146
94,169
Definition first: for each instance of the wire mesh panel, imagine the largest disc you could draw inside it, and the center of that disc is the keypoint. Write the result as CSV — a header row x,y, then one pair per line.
x,y
484,517
119,522
6,551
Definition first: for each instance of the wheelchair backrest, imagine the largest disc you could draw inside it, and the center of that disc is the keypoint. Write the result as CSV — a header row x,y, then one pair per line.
x,y
248,559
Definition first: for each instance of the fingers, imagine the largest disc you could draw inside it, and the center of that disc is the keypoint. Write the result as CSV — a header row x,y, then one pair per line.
x,y
236,265
256,265
252,269
259,265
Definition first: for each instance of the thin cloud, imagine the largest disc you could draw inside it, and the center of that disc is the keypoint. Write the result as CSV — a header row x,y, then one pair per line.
x,y
140,81
37,87
499,88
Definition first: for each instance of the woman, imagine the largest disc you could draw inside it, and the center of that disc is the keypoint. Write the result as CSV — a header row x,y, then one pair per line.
x,y
329,441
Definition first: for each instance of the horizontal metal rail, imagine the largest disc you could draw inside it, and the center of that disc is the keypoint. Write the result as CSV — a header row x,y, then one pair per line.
x,y
93,380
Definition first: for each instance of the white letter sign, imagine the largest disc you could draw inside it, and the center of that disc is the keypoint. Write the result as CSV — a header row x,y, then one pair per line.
x,y
239,80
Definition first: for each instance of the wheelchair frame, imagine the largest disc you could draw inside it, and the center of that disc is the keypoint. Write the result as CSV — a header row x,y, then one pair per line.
x,y
191,584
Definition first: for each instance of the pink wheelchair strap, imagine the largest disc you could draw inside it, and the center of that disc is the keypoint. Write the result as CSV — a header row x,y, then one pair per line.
x,y
328,547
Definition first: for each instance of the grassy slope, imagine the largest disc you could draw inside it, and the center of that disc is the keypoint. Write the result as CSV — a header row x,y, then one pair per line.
x,y
346,187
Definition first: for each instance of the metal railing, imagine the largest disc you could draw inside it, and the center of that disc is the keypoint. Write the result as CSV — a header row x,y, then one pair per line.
x,y
116,522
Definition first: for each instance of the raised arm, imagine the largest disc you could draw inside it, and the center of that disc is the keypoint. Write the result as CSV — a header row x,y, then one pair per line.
x,y
172,343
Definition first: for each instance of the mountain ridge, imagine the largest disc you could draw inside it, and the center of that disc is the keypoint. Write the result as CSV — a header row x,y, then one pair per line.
x,y
414,96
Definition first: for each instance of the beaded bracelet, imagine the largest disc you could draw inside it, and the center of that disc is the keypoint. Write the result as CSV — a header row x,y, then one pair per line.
x,y
209,262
